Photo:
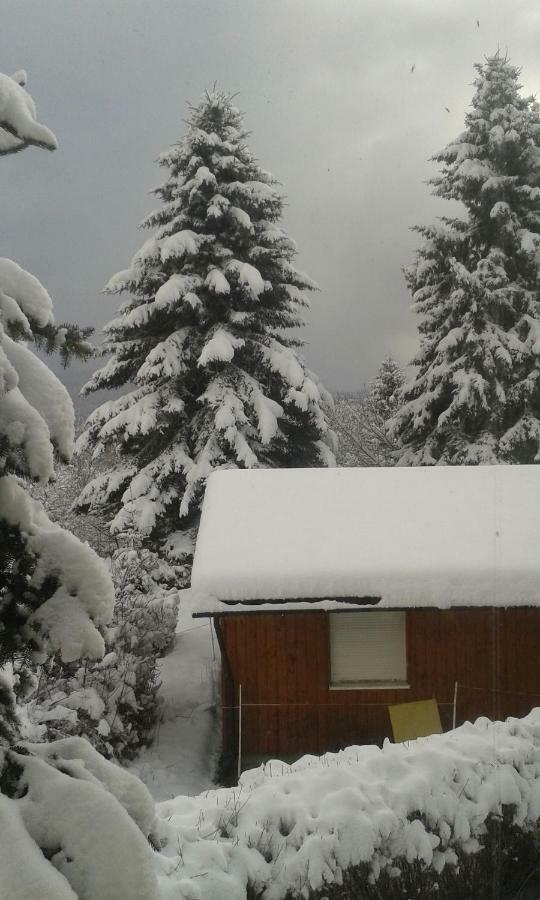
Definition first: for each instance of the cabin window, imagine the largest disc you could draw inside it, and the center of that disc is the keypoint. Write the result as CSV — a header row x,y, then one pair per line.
x,y
368,649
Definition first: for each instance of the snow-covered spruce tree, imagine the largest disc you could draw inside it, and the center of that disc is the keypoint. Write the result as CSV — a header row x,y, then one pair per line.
x,y
64,811
203,340
54,591
361,422
475,285
385,390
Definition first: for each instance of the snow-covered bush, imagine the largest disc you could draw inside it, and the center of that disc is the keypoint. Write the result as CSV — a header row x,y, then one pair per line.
x,y
204,338
441,816
72,825
114,702
146,601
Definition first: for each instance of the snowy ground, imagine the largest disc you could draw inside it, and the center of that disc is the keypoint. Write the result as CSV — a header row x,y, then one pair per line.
x,y
184,753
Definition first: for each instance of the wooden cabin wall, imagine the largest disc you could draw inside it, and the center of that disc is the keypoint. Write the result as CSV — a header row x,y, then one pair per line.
x,y
283,662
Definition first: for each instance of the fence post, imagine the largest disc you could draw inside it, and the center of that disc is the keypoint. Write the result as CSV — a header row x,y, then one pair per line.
x,y
239,731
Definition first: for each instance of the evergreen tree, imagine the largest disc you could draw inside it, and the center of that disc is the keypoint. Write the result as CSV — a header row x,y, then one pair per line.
x,y
64,810
475,285
53,590
201,338
385,389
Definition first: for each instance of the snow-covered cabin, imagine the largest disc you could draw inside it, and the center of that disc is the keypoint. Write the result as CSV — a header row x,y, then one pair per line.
x,y
337,592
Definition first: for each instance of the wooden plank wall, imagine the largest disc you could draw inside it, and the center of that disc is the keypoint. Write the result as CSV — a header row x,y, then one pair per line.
x,y
282,661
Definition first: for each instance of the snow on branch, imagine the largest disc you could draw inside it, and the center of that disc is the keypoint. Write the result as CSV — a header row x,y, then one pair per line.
x,y
83,599
18,125
26,291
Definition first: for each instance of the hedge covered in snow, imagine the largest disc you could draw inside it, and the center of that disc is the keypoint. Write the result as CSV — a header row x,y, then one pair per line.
x,y
113,702
375,815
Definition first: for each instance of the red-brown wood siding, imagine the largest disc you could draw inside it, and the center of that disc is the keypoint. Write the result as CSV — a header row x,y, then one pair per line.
x,y
283,663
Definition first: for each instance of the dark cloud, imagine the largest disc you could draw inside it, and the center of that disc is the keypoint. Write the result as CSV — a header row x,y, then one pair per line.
x,y
336,114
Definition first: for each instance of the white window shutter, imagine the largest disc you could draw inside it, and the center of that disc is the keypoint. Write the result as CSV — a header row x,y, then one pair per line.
x,y
368,647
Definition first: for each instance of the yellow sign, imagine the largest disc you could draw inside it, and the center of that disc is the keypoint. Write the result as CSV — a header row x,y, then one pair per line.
x,y
413,720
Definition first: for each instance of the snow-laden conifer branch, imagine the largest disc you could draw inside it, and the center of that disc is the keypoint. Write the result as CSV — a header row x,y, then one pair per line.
x,y
18,125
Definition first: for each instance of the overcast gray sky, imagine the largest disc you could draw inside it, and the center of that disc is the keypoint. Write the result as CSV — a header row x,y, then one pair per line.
x,y
335,114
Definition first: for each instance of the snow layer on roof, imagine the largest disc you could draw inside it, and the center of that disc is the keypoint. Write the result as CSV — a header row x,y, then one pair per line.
x,y
429,536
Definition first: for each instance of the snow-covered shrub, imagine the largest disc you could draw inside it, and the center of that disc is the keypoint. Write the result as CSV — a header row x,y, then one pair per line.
x,y
71,824
435,816
114,702
146,607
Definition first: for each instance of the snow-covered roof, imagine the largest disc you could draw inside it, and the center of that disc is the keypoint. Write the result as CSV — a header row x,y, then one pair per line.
x,y
428,536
